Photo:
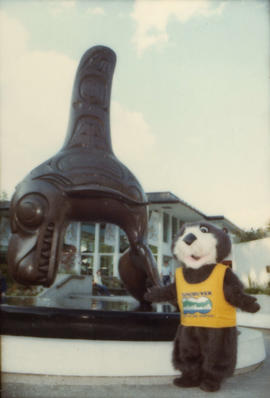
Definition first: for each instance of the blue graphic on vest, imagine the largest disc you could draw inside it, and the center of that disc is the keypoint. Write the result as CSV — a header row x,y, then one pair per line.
x,y
191,305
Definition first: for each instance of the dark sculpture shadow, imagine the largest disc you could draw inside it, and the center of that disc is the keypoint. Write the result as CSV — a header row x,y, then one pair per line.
x,y
84,181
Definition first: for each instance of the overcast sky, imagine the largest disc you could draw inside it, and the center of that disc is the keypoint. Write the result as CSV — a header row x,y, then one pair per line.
x,y
190,96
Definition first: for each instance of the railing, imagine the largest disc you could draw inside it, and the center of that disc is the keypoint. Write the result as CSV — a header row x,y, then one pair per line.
x,y
61,284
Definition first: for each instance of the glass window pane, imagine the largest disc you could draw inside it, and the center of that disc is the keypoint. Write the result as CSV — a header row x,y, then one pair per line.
x,y
106,265
67,261
4,233
154,251
181,223
166,227
124,243
153,226
107,238
174,227
87,265
88,238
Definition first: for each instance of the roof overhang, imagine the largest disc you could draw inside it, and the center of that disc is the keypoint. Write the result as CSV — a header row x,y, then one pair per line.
x,y
175,206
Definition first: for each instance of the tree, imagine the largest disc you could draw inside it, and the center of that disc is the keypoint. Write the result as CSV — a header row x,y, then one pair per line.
x,y
3,195
252,234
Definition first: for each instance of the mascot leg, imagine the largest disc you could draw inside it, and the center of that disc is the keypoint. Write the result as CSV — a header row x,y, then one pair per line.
x,y
219,348
187,357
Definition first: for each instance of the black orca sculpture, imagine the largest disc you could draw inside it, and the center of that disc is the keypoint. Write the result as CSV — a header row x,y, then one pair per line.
x,y
84,181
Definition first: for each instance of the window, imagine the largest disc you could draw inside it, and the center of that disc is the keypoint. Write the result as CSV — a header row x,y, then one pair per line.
x,y
88,231
154,251
87,265
166,220
107,238
106,265
174,227
124,243
167,259
87,238
4,236
67,260
181,223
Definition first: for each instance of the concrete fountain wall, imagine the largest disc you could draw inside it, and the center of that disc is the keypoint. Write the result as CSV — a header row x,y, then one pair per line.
x,y
67,357
100,337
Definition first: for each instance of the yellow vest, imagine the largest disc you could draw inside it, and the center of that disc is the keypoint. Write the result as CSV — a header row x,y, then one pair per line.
x,y
203,304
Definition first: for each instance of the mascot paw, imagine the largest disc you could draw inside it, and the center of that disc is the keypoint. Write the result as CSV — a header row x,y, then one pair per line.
x,y
152,294
254,307
186,382
210,385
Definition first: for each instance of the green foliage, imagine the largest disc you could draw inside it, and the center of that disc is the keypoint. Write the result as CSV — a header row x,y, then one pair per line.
x,y
19,290
112,282
4,271
4,195
252,234
15,289
258,290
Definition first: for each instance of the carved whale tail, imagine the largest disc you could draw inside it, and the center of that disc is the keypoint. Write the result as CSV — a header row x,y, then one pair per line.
x,y
89,124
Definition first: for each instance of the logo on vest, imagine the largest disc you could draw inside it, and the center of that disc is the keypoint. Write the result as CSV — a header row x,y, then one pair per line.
x,y
193,305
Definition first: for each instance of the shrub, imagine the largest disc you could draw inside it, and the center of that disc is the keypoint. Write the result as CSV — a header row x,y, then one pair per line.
x,y
15,289
258,290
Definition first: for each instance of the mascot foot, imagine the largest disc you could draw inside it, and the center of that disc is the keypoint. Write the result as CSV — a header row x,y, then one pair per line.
x,y
210,385
187,381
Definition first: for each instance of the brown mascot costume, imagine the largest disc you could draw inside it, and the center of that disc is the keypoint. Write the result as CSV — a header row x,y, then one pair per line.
x,y
207,292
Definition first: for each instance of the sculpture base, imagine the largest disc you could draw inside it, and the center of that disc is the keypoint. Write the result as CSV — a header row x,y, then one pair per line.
x,y
86,317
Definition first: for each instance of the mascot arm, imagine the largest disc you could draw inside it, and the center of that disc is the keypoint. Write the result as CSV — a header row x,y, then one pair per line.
x,y
159,294
234,293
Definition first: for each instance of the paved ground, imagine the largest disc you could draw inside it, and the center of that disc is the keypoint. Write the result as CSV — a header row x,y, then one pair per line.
x,y
249,385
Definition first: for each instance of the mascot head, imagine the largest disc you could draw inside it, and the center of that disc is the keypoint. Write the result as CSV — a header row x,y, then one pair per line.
x,y
201,243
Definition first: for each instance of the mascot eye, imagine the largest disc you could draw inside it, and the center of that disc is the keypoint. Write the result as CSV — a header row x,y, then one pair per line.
x,y
204,229
31,210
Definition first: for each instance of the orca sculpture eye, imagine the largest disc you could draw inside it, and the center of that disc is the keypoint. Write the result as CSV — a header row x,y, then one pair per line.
x,y
204,229
31,210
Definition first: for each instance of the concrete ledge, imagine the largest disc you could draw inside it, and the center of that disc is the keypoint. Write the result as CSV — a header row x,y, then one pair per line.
x,y
95,358
248,385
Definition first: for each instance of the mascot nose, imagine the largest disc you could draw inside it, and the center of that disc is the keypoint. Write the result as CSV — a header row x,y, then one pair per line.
x,y
189,239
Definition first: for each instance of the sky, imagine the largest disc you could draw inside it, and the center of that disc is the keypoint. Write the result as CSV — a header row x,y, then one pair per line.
x,y
190,97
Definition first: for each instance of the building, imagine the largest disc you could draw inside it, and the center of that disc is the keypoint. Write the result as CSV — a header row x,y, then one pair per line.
x,y
92,246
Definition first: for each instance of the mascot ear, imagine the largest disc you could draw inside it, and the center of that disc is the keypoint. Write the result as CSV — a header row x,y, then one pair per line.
x,y
225,230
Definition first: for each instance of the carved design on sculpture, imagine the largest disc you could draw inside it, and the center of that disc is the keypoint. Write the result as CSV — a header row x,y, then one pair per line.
x,y
84,181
